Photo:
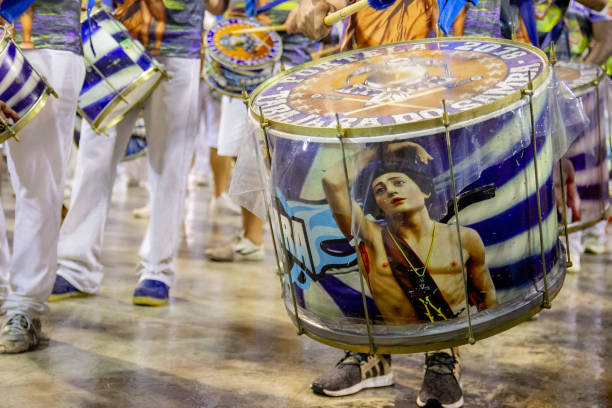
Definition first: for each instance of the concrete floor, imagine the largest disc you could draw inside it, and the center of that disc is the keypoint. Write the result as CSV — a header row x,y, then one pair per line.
x,y
226,341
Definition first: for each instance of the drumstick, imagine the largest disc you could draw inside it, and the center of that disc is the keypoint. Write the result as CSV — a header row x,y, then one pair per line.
x,y
341,14
260,29
330,19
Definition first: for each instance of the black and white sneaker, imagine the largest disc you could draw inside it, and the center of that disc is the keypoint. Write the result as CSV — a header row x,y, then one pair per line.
x,y
19,333
353,373
442,382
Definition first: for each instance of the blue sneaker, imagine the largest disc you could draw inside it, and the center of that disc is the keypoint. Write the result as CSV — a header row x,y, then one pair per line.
x,y
151,293
62,289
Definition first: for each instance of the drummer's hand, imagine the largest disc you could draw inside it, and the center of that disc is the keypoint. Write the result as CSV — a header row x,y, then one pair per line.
x,y
8,112
420,151
307,18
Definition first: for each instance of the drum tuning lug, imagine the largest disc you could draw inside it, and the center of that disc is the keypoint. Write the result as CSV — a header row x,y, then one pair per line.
x,y
569,264
472,340
263,122
245,97
282,67
445,116
341,132
546,303
553,54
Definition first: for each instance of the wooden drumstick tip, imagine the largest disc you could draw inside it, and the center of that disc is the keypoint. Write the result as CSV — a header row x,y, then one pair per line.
x,y
341,14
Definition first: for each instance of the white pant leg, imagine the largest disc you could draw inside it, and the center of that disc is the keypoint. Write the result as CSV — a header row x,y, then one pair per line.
x,y
575,243
171,118
212,110
232,127
37,165
5,259
82,233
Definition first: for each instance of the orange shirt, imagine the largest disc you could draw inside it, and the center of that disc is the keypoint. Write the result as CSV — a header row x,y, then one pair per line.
x,y
404,20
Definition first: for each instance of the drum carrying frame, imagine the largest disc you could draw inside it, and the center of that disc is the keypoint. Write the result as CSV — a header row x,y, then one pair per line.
x,y
478,328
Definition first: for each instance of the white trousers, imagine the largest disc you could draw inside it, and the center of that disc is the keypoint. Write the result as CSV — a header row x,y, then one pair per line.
x,y
232,127
36,165
171,121
208,129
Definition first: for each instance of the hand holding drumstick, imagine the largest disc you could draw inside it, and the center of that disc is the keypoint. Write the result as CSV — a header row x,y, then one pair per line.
x,y
7,112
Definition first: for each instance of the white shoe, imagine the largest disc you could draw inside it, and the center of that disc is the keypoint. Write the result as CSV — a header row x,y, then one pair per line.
x,y
575,258
142,212
224,205
593,245
239,249
199,180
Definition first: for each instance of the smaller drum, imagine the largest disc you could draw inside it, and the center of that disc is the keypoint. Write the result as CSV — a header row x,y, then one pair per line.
x,y
22,88
120,75
137,145
236,61
588,152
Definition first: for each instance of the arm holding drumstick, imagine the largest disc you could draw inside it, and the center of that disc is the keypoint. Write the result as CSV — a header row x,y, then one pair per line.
x,y
314,18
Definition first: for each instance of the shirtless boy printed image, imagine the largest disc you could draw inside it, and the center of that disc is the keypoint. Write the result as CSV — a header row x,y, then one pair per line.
x,y
411,264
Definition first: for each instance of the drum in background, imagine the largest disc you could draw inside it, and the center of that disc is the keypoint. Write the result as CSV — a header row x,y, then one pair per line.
x,y
120,75
375,119
233,62
137,145
588,153
22,88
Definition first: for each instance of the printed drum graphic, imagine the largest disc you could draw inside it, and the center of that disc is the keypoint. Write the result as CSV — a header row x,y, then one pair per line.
x,y
21,87
233,62
118,77
588,152
359,190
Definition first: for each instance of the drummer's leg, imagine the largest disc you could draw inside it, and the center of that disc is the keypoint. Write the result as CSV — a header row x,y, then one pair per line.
x,y
36,165
81,236
442,380
171,119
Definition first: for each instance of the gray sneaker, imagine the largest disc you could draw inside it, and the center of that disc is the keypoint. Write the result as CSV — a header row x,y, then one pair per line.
x,y
442,382
19,333
353,373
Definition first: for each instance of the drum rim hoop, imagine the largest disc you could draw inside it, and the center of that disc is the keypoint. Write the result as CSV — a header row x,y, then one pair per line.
x,y
440,340
583,88
144,77
230,65
454,118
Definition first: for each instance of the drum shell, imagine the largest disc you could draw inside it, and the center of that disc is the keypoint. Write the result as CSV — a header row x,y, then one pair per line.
x,y
21,88
589,150
324,268
125,74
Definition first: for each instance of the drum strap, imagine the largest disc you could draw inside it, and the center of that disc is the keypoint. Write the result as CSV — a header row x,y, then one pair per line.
x,y
415,281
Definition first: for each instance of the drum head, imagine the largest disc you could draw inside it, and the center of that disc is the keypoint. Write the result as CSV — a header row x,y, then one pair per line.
x,y
578,77
375,89
364,211
245,51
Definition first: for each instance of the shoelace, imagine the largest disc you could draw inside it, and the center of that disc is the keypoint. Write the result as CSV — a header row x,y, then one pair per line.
x,y
350,358
441,360
17,323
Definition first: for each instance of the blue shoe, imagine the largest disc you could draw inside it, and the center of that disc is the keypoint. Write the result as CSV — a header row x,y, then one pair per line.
x,y
151,293
62,289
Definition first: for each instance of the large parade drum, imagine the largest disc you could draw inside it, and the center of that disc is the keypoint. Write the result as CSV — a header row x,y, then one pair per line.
x,y
22,88
410,192
588,153
234,62
120,73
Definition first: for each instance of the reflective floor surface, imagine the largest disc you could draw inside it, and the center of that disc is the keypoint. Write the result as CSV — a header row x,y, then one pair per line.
x,y
226,341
